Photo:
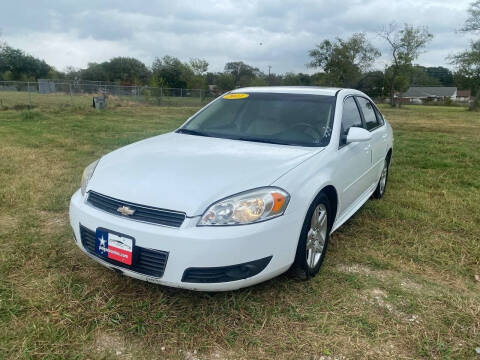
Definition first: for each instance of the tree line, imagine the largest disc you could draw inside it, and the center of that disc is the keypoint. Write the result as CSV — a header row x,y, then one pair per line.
x,y
339,62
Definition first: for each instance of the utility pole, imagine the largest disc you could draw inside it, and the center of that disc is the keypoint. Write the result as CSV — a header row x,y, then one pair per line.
x,y
269,67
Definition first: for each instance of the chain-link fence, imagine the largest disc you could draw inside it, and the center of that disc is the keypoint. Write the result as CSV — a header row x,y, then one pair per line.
x,y
44,93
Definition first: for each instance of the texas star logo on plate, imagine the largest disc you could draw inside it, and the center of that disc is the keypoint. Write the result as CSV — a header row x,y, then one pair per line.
x,y
114,247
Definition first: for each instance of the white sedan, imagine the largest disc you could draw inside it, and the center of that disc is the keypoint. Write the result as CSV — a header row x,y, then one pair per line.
x,y
250,186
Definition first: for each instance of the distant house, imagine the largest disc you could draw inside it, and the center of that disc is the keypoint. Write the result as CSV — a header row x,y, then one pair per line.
x,y
464,95
419,94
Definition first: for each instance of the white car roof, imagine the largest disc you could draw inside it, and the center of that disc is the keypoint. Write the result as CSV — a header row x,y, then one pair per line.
x,y
310,90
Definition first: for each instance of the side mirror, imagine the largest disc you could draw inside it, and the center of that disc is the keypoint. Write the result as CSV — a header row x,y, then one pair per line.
x,y
356,134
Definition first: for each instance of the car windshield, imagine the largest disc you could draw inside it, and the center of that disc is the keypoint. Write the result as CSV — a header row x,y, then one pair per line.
x,y
290,119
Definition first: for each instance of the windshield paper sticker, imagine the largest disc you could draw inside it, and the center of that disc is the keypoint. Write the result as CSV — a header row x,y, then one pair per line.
x,y
235,96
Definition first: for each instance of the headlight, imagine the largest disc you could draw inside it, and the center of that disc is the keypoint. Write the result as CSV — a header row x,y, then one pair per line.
x,y
247,207
87,175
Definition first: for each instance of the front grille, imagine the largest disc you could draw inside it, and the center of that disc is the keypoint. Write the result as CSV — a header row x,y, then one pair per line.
x,y
145,261
142,213
225,273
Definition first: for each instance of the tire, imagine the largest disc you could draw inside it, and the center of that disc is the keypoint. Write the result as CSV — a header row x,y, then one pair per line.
x,y
382,182
313,241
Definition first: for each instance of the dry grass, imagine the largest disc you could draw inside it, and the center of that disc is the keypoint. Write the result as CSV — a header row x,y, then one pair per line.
x,y
398,282
61,101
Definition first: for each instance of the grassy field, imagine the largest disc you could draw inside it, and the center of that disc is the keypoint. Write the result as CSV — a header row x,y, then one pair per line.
x,y
21,100
401,279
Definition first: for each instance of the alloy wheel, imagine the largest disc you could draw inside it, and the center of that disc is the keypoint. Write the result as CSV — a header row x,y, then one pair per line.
x,y
316,236
383,177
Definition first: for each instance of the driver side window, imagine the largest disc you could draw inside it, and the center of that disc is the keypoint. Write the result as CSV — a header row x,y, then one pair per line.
x,y
350,118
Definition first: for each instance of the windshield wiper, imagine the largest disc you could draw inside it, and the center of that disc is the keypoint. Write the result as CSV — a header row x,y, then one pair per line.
x,y
241,138
192,132
267,141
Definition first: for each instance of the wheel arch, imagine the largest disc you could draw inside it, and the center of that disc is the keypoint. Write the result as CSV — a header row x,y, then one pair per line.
x,y
298,264
332,196
389,154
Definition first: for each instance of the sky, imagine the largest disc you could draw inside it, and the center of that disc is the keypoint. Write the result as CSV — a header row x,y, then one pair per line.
x,y
258,32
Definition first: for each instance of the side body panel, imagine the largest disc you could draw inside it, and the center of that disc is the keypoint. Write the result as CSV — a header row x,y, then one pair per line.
x,y
353,170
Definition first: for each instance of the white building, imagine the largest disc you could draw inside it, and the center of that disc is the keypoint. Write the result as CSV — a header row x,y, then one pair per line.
x,y
419,94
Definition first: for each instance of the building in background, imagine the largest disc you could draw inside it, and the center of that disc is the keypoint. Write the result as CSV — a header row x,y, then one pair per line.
x,y
464,96
422,94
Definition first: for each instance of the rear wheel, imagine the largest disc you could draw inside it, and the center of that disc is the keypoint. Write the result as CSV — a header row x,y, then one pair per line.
x,y
382,183
314,236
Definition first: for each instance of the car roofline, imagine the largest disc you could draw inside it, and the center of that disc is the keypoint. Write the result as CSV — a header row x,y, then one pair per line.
x,y
306,90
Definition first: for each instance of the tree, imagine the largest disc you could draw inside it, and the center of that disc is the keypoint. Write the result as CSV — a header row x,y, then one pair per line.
x,y
405,47
399,82
274,79
473,21
259,81
16,65
55,74
443,75
170,72
72,73
462,81
293,79
127,71
468,66
343,61
224,81
243,74
95,72
199,66
123,70
419,76
372,83
468,61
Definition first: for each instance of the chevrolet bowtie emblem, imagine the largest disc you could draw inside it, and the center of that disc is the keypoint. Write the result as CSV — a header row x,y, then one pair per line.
x,y
125,210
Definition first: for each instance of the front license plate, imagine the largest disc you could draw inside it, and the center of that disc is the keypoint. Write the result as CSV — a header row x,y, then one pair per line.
x,y
114,246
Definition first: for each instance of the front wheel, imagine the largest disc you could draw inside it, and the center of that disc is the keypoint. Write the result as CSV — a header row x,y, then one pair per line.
x,y
313,242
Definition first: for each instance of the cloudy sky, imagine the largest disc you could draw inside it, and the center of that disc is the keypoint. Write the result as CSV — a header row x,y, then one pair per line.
x,y
258,32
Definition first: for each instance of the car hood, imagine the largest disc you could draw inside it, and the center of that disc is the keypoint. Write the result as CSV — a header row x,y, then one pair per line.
x,y
187,173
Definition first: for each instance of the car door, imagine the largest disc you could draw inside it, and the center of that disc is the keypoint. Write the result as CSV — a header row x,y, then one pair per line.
x,y
354,159
374,124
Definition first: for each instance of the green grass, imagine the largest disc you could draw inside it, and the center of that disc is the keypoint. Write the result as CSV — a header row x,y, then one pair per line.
x,y
20,100
398,281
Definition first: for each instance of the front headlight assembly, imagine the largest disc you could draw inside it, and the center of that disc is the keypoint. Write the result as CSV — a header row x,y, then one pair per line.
x,y
248,207
87,175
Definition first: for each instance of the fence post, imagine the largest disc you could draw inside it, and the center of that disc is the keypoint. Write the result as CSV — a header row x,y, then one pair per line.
x,y
29,95
181,92
70,88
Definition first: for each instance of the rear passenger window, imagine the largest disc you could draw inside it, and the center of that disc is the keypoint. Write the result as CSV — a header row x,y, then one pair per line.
x,y
368,111
380,119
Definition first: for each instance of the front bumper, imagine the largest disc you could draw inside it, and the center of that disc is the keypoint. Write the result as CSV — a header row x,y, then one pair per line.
x,y
195,247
